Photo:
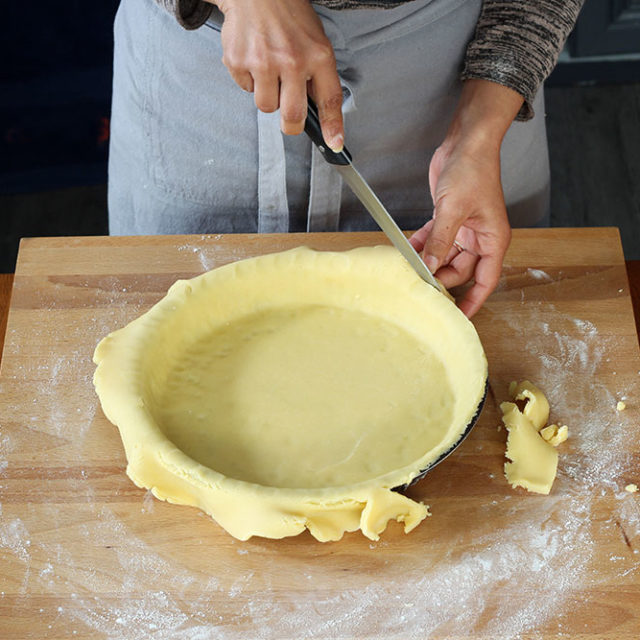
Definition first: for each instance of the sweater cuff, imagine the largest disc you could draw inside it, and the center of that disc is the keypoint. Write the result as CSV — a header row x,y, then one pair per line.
x,y
191,14
509,78
517,43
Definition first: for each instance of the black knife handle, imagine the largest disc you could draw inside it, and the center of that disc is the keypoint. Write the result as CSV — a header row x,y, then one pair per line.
x,y
312,129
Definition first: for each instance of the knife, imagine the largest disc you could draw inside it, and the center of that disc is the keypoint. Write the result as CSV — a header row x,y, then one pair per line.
x,y
342,163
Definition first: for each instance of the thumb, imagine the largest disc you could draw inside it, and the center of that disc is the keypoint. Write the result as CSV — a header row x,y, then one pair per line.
x,y
445,227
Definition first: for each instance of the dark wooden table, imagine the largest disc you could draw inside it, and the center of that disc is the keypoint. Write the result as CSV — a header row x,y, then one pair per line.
x,y
6,281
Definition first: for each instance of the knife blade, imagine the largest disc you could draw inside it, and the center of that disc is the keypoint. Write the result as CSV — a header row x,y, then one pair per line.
x,y
341,161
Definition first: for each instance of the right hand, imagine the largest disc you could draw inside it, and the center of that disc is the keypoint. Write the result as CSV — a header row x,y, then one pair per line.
x,y
278,50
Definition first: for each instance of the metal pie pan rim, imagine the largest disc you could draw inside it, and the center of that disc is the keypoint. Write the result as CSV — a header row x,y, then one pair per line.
x,y
452,448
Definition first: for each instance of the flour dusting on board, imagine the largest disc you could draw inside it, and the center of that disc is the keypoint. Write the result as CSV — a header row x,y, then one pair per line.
x,y
206,254
572,358
16,542
495,582
417,600
538,274
6,447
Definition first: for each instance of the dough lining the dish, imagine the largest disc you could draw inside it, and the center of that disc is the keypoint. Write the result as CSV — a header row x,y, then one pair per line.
x,y
253,384
294,391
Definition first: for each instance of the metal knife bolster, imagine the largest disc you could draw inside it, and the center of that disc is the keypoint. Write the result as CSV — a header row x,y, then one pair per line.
x,y
342,163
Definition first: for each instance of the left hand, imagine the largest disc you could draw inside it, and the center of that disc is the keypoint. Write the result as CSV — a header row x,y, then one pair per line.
x,y
469,208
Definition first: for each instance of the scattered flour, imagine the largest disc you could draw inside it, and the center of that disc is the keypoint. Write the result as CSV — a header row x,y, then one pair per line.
x,y
538,274
148,502
569,370
6,446
207,262
14,537
15,541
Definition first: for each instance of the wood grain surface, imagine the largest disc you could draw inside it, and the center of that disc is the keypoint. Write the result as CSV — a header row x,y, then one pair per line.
x,y
86,554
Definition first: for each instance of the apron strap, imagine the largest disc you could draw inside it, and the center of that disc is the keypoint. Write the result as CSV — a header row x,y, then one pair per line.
x,y
325,194
325,185
273,208
325,188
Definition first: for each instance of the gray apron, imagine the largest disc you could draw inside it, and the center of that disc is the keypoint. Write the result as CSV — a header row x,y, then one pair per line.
x,y
190,153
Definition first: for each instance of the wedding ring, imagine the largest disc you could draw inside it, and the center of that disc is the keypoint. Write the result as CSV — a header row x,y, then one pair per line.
x,y
458,246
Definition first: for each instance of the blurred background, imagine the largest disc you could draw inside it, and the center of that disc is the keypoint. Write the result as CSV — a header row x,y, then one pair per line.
x,y
55,104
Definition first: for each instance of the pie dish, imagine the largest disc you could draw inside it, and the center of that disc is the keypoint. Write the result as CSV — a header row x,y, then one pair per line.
x,y
294,391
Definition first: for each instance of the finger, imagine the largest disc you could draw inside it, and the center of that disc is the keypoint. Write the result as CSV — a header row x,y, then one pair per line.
x,y
293,105
418,239
446,223
266,92
233,58
327,94
454,253
487,276
244,80
458,271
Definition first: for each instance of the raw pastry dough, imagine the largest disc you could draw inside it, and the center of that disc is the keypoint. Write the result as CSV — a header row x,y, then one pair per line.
x,y
537,407
534,460
294,391
554,434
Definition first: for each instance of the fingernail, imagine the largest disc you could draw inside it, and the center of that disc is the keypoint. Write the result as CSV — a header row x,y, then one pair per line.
x,y
336,144
431,262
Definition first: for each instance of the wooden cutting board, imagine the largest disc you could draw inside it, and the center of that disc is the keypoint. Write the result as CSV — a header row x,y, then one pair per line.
x,y
85,554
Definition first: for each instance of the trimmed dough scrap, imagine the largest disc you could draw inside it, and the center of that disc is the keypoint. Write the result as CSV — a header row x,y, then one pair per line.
x,y
530,445
294,391
537,407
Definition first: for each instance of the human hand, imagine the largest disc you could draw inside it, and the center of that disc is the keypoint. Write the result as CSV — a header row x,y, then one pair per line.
x,y
469,208
278,50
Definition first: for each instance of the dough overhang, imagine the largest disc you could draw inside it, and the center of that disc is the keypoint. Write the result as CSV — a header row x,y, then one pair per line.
x,y
293,391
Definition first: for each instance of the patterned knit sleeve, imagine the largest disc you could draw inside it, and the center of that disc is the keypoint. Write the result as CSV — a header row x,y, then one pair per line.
x,y
517,43
191,14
